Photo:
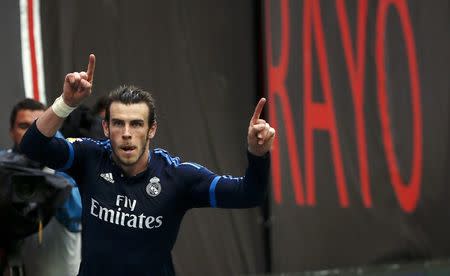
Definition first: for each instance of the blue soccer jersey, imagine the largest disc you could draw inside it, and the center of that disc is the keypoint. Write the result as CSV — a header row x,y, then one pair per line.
x,y
130,224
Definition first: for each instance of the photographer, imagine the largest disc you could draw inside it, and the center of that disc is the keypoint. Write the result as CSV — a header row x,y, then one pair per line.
x,y
58,251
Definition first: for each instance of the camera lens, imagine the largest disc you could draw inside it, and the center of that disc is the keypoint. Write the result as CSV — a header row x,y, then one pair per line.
x,y
25,191
27,187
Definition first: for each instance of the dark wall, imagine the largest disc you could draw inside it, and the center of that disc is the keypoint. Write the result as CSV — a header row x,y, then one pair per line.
x,y
11,66
199,59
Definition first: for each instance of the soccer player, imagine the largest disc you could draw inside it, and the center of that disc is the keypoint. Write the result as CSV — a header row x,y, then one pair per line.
x,y
134,197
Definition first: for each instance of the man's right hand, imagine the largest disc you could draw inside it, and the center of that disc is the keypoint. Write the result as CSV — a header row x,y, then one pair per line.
x,y
78,85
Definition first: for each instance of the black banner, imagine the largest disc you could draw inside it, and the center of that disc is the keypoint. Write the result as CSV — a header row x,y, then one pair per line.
x,y
358,91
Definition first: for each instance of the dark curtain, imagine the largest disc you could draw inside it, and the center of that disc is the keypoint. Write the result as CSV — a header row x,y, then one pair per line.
x,y
11,65
199,60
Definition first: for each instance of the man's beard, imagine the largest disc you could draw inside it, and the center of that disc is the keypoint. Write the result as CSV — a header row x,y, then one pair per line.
x,y
127,163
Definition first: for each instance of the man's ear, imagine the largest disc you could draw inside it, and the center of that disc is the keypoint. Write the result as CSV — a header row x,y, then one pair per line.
x,y
105,128
152,130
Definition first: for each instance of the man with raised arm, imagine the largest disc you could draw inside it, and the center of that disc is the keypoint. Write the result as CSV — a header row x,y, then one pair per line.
x,y
134,197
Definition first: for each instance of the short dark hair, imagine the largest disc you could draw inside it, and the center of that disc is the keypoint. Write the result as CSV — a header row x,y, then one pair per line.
x,y
128,94
26,104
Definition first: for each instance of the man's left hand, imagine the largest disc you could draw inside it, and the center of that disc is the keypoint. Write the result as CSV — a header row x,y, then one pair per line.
x,y
260,133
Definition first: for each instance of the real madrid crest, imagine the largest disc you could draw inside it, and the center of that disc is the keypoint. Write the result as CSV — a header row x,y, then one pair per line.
x,y
153,187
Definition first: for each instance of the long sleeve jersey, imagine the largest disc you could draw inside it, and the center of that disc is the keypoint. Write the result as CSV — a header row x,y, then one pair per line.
x,y
130,223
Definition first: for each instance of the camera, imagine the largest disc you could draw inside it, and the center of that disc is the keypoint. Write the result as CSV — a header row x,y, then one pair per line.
x,y
29,195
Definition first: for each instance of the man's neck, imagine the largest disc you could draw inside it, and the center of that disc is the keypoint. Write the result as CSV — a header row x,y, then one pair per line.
x,y
138,167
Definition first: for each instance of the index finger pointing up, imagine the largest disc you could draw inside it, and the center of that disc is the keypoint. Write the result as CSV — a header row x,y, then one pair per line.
x,y
91,68
258,110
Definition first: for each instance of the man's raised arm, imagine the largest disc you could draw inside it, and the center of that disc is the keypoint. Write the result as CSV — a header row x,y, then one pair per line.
x,y
77,87
237,192
260,134
39,143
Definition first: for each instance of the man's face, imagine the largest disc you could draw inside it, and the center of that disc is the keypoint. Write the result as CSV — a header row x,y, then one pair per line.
x,y
24,119
129,132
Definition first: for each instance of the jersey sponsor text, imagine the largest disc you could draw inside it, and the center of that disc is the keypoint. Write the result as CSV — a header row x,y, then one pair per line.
x,y
122,218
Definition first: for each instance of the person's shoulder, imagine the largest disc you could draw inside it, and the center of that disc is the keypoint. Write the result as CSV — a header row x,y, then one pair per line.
x,y
182,171
92,144
164,157
175,163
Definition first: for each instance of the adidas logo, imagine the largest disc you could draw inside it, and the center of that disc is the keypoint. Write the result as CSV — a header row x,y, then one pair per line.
x,y
107,176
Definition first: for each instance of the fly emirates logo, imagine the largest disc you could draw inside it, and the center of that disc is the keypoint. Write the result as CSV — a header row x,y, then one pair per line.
x,y
122,217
